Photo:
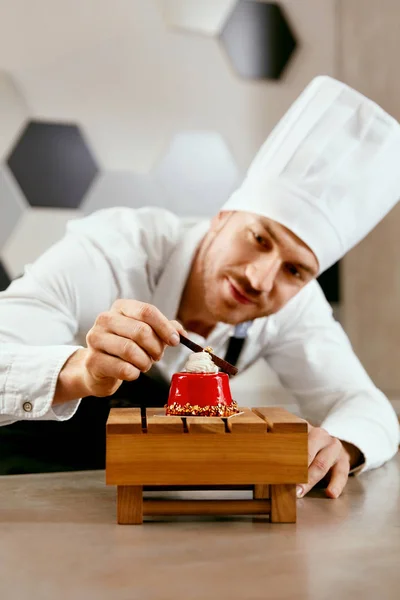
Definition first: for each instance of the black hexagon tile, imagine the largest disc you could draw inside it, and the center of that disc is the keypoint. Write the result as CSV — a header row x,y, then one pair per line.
x,y
258,39
4,278
330,283
52,164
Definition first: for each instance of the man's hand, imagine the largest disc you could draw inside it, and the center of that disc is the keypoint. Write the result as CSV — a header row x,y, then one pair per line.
x,y
329,458
124,342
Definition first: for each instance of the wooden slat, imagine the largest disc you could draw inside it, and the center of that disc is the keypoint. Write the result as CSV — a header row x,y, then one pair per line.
x,y
201,460
261,491
279,420
129,504
248,422
205,425
197,488
158,422
206,507
124,420
283,503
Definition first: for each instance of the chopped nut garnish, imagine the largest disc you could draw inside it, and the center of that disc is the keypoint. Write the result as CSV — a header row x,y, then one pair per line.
x,y
188,410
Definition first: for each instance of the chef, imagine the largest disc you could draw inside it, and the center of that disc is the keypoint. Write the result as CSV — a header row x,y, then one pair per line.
x,y
105,305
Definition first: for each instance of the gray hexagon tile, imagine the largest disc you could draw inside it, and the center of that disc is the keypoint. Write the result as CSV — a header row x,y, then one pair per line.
x,y
258,39
205,16
4,277
12,204
36,231
52,164
198,173
13,113
122,188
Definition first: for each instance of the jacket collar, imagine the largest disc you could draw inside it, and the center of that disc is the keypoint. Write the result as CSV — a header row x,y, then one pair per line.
x,y
168,292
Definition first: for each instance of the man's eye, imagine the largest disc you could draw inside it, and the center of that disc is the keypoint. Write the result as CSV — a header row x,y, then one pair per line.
x,y
259,238
293,271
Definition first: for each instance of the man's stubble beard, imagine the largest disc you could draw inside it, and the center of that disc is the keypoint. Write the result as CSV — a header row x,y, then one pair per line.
x,y
217,308
211,281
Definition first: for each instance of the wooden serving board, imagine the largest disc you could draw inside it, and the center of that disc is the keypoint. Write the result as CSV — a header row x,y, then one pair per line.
x,y
263,448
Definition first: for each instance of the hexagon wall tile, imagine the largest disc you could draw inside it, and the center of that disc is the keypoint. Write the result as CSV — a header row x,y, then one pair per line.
x,y
204,16
4,278
126,144
36,231
121,188
258,39
13,113
198,173
12,204
52,164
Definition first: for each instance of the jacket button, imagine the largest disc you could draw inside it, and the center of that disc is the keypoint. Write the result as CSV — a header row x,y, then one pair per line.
x,y
27,406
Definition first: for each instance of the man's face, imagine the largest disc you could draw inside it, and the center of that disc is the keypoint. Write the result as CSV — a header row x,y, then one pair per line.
x,y
252,266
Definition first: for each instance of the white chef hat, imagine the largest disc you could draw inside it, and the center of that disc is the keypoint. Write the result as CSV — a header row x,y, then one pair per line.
x,y
329,171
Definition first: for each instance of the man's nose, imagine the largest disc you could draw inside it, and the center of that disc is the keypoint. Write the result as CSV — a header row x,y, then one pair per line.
x,y
262,273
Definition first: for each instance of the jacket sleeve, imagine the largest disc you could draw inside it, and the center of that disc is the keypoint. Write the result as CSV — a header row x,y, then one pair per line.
x,y
45,315
41,316
314,360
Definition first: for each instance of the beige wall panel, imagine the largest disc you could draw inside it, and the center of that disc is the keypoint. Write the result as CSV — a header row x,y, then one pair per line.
x,y
369,58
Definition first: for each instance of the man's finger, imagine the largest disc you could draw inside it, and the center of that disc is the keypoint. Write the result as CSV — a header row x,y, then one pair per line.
x,y
339,477
178,327
323,461
317,439
141,311
127,350
102,366
137,331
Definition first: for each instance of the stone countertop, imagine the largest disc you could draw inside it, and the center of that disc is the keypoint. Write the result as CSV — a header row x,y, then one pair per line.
x,y
59,540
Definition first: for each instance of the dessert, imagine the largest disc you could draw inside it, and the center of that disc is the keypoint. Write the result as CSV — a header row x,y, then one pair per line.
x,y
200,390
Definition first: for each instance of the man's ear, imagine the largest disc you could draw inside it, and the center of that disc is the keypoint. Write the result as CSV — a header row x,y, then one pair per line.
x,y
219,220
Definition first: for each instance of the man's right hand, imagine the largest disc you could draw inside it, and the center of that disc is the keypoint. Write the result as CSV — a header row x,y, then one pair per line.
x,y
124,342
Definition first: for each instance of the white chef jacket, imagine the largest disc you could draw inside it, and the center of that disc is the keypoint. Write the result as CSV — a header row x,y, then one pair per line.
x,y
146,254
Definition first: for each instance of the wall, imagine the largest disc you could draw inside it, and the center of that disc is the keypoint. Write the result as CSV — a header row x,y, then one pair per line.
x,y
368,60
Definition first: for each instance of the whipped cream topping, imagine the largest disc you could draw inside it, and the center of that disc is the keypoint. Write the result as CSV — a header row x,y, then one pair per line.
x,y
200,362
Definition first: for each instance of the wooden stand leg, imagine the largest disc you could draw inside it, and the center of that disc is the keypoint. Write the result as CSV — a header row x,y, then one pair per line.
x,y
130,504
260,491
283,503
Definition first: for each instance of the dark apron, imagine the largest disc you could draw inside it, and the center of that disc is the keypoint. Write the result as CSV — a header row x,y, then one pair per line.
x,y
79,443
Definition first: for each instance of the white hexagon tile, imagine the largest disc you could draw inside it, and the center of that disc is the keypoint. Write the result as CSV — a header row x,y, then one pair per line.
x,y
12,204
201,16
198,173
13,113
123,188
36,231
130,142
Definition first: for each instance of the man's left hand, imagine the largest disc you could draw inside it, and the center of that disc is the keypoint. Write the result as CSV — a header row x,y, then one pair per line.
x,y
328,458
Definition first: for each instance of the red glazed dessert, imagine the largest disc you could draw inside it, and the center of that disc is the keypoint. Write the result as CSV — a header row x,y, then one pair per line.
x,y
200,393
